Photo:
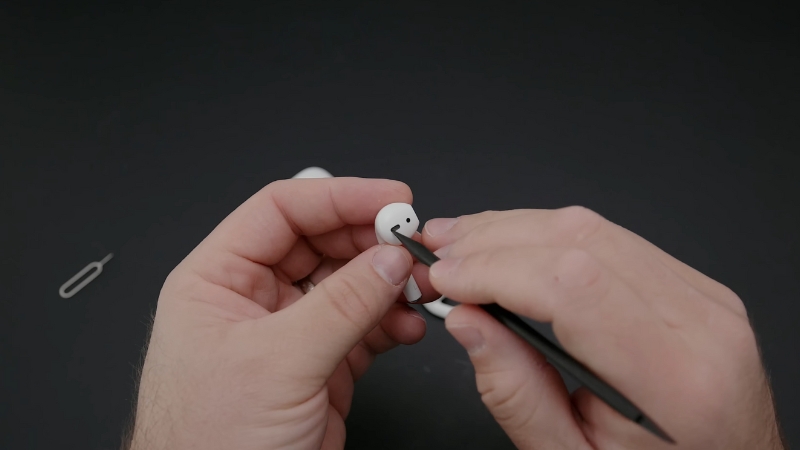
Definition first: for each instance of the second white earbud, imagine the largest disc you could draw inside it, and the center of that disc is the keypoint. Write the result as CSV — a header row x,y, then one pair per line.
x,y
399,216
313,172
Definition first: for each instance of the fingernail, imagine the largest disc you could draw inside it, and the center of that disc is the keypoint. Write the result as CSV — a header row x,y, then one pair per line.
x,y
435,227
391,264
444,267
469,337
443,252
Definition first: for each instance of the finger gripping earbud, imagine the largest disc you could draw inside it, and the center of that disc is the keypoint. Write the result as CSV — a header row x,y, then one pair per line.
x,y
401,217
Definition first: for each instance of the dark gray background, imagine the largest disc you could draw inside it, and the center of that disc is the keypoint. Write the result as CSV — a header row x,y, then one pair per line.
x,y
135,129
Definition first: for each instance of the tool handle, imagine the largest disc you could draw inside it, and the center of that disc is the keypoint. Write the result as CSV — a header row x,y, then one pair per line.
x,y
564,361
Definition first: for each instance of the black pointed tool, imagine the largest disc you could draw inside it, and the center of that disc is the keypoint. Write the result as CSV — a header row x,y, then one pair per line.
x,y
554,354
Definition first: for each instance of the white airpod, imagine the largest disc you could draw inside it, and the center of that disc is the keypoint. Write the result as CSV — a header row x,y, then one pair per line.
x,y
402,217
313,172
394,214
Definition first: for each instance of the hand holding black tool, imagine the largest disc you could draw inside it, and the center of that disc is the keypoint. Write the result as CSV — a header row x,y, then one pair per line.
x,y
554,354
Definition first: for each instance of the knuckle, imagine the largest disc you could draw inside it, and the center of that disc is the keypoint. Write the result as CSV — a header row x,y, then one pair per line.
x,y
726,292
471,240
275,185
577,271
482,218
578,223
730,297
582,289
513,397
349,299
173,278
501,397
741,339
487,259
478,233
183,281
484,227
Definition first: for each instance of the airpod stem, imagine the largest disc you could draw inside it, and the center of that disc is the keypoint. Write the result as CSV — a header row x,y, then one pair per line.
x,y
411,290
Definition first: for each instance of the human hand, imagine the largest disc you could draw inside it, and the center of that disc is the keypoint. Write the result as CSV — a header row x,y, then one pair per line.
x,y
239,357
675,342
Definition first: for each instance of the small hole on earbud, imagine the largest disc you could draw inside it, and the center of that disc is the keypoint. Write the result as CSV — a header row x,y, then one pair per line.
x,y
408,220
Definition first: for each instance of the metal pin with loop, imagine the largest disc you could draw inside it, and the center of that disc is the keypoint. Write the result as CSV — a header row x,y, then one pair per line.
x,y
97,266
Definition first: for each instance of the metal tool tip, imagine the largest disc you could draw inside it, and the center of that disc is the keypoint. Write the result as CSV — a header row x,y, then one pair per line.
x,y
645,422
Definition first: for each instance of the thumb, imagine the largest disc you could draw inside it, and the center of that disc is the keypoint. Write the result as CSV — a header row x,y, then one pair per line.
x,y
524,393
330,320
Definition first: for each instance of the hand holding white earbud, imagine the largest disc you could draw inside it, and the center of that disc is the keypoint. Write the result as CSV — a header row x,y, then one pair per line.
x,y
402,218
391,215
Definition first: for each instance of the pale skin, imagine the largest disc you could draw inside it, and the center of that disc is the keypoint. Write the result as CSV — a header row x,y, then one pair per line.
x,y
240,358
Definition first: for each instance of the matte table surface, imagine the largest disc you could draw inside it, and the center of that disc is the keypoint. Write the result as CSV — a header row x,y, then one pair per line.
x,y
135,129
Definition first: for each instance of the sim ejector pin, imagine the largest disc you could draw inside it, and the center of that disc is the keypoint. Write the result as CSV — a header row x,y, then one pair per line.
x,y
97,266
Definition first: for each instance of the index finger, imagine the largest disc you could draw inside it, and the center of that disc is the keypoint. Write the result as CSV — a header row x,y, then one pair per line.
x,y
265,227
577,227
